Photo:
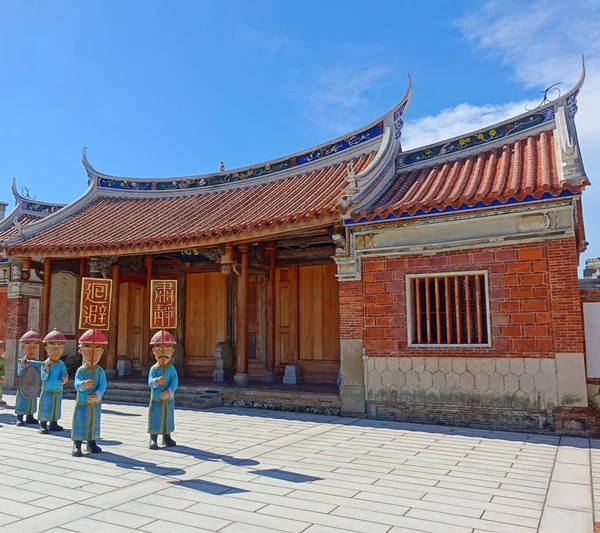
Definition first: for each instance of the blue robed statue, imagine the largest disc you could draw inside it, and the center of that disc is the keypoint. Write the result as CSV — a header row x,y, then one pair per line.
x,y
54,376
30,344
90,383
163,382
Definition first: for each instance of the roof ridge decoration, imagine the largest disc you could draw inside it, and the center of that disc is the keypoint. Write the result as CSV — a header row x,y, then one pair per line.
x,y
374,130
31,205
480,138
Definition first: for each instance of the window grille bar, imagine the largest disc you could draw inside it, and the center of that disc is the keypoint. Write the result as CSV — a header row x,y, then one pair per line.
x,y
438,316
468,313
457,309
448,312
478,302
419,311
428,309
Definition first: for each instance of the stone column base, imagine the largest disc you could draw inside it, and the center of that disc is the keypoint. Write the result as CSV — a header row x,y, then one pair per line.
x,y
292,375
241,379
352,400
111,374
270,377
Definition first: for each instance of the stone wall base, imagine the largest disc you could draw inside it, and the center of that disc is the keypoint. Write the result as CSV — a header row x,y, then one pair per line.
x,y
575,421
314,403
579,421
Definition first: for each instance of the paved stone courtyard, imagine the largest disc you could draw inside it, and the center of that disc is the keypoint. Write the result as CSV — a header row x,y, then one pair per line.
x,y
246,471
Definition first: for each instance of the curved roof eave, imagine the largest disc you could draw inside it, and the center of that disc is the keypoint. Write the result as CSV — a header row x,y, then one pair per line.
x,y
553,103
544,117
44,222
311,157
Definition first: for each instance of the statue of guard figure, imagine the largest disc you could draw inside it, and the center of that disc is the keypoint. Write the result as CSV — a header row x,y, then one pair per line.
x,y
54,376
90,383
30,380
163,382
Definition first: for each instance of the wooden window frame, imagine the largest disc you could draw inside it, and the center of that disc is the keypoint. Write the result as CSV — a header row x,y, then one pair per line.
x,y
411,317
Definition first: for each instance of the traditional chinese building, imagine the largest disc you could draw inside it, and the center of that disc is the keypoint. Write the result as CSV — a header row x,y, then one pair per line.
x,y
442,281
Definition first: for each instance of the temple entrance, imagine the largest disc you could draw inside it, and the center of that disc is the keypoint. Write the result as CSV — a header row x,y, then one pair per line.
x,y
205,321
307,326
131,324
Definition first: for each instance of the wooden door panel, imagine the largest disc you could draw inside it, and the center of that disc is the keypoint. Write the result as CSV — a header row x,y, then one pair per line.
x,y
286,315
130,343
319,314
205,320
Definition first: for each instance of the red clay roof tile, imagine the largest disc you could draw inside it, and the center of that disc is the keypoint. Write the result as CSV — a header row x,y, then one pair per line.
x,y
23,220
129,223
524,167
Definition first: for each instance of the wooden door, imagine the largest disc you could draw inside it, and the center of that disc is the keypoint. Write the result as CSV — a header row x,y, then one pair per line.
x,y
130,343
319,318
205,321
256,328
286,316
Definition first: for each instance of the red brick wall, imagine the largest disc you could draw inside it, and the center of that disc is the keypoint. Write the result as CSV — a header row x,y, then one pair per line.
x,y
3,312
351,310
567,315
534,300
16,325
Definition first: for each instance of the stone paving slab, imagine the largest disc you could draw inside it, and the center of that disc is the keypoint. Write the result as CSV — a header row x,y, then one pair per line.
x,y
250,471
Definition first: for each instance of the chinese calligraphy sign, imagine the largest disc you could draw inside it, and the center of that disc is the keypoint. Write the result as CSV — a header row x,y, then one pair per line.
x,y
163,304
94,311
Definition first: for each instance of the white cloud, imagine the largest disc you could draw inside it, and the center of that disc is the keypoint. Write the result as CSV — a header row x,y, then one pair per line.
x,y
542,42
270,43
336,97
456,121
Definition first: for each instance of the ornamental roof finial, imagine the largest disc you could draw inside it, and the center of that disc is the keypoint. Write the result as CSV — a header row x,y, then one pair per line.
x,y
222,167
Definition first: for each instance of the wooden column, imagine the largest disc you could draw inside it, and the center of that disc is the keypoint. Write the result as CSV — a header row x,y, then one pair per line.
x,y
113,335
46,299
241,338
147,358
180,333
270,371
79,284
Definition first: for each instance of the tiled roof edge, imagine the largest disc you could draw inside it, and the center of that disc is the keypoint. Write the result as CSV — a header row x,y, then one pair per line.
x,y
493,135
324,152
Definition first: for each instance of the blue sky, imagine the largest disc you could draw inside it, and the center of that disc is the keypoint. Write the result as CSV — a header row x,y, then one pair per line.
x,y
162,89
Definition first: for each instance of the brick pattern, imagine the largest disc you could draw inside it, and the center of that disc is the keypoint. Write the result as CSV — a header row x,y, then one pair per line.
x,y
534,300
16,322
3,313
351,310
567,315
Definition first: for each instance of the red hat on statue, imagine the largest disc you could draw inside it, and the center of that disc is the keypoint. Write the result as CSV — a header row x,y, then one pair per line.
x,y
163,337
31,335
93,335
55,336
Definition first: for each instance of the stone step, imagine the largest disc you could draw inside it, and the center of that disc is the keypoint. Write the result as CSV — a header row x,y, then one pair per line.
x,y
196,399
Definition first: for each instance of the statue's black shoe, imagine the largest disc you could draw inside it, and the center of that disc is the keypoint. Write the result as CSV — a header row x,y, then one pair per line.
x,y
168,441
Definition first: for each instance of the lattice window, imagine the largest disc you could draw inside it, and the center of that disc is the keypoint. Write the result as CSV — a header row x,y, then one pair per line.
x,y
448,309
